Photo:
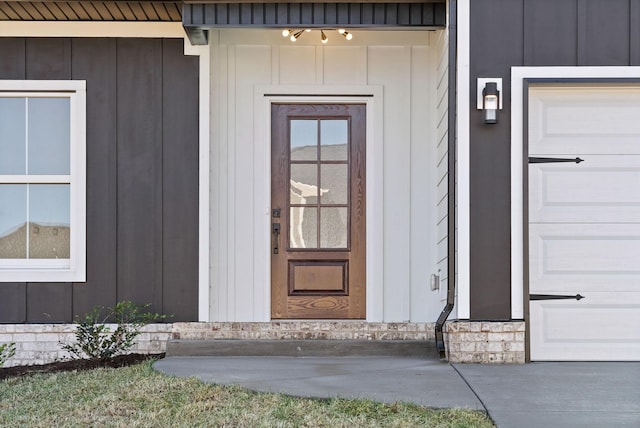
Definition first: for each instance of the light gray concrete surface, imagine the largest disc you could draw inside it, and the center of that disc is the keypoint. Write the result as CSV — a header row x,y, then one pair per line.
x,y
568,394
544,395
427,382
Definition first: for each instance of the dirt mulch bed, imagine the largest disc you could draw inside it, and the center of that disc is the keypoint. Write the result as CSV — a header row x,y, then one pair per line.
x,y
66,366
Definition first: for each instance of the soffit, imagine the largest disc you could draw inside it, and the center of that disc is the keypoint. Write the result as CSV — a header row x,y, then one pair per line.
x,y
116,10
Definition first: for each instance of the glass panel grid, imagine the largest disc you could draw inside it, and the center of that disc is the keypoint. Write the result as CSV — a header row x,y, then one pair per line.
x,y
334,139
35,144
304,139
319,184
13,119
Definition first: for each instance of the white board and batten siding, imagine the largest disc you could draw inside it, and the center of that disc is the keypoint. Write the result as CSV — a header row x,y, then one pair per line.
x,y
441,56
403,65
584,222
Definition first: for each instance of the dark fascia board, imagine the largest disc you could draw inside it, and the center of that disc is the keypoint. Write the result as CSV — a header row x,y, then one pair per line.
x,y
387,15
306,1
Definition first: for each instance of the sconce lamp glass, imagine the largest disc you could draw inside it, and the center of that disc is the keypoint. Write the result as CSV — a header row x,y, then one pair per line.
x,y
490,102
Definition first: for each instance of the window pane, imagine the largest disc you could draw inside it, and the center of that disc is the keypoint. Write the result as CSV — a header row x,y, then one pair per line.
x,y
49,220
334,138
303,223
333,227
12,136
334,180
13,218
49,135
304,140
304,184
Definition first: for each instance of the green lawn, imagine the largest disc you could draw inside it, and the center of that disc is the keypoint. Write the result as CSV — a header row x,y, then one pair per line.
x,y
137,396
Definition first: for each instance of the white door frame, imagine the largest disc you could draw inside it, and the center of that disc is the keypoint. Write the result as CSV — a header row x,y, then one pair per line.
x,y
372,97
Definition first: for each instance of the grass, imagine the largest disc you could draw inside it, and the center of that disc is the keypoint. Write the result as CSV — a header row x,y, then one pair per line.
x,y
137,396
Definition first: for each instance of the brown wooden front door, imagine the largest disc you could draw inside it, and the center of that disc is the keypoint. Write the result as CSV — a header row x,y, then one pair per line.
x,y
318,211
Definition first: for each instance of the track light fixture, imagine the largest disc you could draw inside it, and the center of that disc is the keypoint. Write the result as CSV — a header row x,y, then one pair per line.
x,y
293,34
323,37
347,35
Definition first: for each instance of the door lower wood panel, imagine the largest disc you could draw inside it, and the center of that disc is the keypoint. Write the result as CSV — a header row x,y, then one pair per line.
x,y
318,211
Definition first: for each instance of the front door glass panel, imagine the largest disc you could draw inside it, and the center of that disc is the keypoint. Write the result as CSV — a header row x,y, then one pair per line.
x,y
319,184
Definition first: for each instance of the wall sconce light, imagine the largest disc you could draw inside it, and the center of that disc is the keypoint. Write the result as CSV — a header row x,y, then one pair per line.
x,y
489,98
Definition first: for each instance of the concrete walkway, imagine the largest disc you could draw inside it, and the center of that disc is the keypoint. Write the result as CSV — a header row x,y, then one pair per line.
x,y
534,395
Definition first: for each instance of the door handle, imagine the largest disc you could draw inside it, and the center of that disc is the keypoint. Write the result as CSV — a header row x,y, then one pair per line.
x,y
275,229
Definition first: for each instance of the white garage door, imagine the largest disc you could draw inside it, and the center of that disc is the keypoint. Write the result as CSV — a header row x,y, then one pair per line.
x,y
584,223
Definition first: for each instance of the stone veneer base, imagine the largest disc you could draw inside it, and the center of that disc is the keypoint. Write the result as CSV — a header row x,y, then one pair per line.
x,y
300,330
466,342
485,342
41,343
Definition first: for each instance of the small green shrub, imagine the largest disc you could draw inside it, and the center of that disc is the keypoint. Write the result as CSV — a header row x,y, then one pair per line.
x,y
7,350
95,340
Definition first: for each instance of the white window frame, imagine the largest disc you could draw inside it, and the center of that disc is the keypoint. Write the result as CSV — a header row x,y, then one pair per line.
x,y
74,268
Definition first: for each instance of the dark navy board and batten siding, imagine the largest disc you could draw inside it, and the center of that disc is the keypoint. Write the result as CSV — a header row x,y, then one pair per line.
x,y
506,33
142,175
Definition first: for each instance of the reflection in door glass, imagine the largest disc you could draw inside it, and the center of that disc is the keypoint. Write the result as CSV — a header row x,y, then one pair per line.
x,y
304,140
335,182
333,227
304,183
303,224
334,138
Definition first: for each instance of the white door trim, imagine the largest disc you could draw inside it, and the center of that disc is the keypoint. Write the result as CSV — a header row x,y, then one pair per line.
x,y
518,76
370,95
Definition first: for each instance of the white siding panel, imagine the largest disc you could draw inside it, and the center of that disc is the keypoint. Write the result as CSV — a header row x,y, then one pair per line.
x,y
297,65
441,52
345,65
423,174
253,66
391,66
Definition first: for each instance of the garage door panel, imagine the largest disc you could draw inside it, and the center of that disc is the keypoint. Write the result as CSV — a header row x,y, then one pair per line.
x,y
581,258
595,191
584,119
584,222
586,329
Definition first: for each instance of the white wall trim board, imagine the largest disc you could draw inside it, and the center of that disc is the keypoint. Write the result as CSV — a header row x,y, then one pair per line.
x,y
370,95
518,75
463,303
204,137
91,29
